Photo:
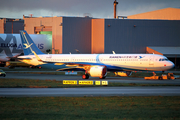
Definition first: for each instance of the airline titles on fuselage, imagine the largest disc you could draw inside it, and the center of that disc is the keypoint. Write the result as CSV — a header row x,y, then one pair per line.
x,y
131,58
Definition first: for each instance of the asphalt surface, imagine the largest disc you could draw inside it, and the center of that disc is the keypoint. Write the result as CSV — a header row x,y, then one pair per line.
x,y
74,77
90,91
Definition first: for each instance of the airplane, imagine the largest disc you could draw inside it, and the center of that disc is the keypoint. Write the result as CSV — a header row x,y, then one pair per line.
x,y
11,47
94,65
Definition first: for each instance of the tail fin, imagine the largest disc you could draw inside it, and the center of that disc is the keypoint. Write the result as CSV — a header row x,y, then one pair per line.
x,y
29,47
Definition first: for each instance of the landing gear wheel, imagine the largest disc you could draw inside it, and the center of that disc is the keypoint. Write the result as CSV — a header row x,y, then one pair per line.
x,y
102,77
85,76
160,78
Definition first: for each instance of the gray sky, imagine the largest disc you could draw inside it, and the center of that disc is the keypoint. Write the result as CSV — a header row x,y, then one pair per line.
x,y
79,8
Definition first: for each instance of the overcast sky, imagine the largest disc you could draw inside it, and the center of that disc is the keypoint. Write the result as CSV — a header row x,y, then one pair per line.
x,y
80,8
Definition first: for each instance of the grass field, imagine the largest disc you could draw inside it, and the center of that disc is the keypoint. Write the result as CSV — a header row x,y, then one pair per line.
x,y
125,108
75,108
28,83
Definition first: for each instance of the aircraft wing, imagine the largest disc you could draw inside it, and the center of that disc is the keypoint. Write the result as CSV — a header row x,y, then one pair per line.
x,y
83,65
26,58
15,56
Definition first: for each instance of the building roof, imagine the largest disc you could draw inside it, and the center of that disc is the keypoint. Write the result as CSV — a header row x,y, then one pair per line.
x,y
167,51
162,14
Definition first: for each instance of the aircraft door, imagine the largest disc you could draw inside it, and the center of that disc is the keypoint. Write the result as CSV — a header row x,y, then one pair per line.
x,y
151,61
73,59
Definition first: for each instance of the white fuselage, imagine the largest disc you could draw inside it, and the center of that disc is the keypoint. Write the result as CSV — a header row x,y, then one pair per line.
x,y
129,62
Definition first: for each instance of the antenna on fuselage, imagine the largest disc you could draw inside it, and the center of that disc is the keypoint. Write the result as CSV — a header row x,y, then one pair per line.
x,y
113,52
77,51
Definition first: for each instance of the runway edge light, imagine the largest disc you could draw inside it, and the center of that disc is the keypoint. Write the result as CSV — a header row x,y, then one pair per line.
x,y
70,82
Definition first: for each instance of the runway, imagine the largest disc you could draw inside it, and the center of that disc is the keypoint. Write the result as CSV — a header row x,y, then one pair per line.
x,y
90,91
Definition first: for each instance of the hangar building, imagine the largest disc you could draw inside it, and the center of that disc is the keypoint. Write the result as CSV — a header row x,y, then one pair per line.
x,y
68,33
150,32
10,25
162,14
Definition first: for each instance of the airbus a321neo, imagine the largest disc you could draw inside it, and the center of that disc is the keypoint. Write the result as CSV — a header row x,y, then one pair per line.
x,y
94,65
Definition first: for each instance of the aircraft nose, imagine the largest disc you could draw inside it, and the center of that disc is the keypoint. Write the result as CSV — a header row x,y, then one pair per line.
x,y
171,65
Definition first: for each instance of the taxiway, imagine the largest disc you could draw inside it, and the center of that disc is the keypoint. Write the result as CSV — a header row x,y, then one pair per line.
x,y
74,77
90,91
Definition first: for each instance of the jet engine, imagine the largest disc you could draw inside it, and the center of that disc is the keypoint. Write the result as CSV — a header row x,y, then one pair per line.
x,y
98,71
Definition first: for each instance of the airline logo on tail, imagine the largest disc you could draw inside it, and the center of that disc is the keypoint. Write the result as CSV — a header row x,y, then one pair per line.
x,y
27,46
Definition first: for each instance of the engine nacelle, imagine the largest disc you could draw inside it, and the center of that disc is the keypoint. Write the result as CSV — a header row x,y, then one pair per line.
x,y
98,71
123,74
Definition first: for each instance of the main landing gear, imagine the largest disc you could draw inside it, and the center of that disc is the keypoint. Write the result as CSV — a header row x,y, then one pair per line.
x,y
102,77
85,76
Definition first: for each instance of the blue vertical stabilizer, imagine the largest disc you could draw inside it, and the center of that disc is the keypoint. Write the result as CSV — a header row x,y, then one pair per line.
x,y
29,47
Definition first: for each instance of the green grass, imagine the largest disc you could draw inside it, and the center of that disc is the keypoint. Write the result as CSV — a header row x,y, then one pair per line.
x,y
28,83
66,108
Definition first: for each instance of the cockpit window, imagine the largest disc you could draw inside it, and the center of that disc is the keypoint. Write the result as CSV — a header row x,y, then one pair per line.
x,y
163,59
